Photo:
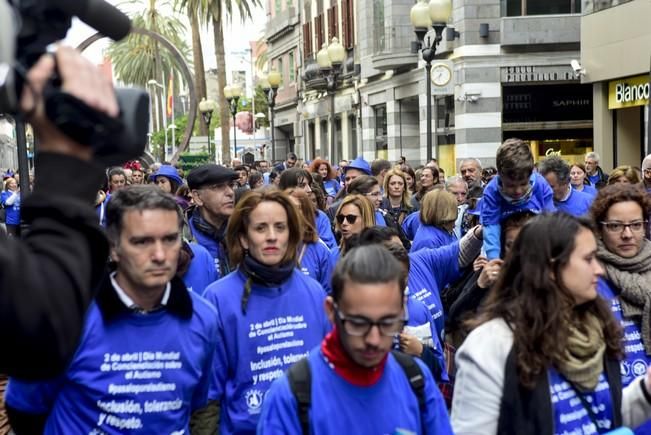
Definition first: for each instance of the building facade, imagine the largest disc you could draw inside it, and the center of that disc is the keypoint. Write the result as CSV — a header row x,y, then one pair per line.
x,y
510,76
617,64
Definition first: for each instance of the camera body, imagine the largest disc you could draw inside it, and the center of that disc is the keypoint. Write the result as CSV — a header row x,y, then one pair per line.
x,y
27,27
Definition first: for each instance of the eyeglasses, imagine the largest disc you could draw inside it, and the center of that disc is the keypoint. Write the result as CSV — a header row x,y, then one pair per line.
x,y
351,218
618,227
359,326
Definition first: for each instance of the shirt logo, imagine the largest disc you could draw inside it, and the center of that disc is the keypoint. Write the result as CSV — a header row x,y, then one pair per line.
x,y
254,401
639,367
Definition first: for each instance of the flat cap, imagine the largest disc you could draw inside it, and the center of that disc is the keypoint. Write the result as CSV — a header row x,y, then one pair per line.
x,y
210,174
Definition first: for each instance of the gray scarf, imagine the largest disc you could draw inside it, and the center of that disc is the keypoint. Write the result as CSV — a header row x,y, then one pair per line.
x,y
632,277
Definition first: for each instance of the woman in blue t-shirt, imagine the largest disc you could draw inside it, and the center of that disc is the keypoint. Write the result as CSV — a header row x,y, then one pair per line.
x,y
329,175
438,214
544,357
10,200
579,180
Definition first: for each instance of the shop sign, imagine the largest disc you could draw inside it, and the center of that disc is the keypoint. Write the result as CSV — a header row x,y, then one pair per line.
x,y
530,73
629,92
552,152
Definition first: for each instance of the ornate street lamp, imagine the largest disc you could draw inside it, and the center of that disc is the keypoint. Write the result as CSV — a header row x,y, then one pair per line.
x,y
424,15
330,58
206,107
270,85
232,94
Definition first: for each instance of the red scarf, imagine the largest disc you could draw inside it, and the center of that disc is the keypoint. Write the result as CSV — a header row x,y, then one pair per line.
x,y
344,366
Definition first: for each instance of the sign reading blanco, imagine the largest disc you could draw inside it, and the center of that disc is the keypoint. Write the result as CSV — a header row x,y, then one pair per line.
x,y
633,91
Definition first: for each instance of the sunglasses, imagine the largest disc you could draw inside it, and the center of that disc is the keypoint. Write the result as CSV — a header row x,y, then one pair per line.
x,y
351,218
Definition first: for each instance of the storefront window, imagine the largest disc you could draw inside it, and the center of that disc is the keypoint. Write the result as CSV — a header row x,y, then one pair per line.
x,y
514,8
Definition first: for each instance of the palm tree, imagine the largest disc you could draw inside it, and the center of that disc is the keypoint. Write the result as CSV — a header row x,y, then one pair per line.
x,y
139,59
213,12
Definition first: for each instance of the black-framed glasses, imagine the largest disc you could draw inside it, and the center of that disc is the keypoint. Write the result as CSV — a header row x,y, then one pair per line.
x,y
360,326
618,227
351,218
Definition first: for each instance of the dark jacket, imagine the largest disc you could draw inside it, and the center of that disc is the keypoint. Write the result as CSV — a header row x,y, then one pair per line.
x,y
47,279
525,411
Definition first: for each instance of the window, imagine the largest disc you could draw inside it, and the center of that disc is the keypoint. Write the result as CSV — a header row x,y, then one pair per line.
x,y
290,3
352,123
380,127
379,38
348,23
307,40
333,23
281,70
318,31
292,71
278,6
514,8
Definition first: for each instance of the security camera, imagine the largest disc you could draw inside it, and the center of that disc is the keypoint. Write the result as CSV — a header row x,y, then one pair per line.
x,y
577,68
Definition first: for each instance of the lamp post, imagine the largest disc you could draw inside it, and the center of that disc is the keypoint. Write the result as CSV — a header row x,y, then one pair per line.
x,y
206,107
154,83
270,86
423,15
329,59
232,94
172,128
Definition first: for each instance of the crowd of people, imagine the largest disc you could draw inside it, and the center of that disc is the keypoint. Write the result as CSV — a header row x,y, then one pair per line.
x,y
357,297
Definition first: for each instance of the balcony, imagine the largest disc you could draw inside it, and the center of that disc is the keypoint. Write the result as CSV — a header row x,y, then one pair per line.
x,y
282,24
392,48
532,30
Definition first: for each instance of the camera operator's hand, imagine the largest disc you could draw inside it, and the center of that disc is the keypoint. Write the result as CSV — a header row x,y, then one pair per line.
x,y
80,78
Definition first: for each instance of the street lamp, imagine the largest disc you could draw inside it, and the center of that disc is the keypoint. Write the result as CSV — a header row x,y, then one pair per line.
x,y
423,15
270,85
206,107
330,58
232,94
172,128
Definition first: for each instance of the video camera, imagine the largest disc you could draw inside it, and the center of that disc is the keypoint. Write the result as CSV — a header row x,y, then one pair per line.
x,y
27,27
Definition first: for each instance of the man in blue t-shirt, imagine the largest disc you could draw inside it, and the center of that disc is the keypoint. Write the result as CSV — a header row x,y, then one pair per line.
x,y
356,385
213,193
144,359
557,173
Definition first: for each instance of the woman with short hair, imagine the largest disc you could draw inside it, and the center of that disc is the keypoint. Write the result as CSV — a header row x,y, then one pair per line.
x,y
258,304
625,175
579,180
544,355
438,214
355,213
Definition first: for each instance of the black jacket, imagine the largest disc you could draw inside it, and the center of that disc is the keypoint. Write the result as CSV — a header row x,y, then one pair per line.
x,y
47,279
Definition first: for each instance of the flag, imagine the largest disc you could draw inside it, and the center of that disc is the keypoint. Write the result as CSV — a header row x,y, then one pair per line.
x,y
170,98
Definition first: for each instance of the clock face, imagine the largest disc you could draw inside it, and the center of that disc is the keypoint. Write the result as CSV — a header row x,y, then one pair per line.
x,y
441,74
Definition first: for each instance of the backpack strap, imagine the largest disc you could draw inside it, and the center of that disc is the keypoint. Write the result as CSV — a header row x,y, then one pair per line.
x,y
300,382
416,380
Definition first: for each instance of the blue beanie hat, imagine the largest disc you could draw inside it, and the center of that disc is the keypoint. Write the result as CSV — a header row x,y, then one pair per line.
x,y
360,164
169,172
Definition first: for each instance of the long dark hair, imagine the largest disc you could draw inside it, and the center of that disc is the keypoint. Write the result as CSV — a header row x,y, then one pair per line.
x,y
535,303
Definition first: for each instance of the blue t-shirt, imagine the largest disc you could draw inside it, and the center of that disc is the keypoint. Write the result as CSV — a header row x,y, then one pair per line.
x,y
430,270
379,219
280,327
317,264
411,224
324,229
220,258
331,187
390,406
12,212
136,373
430,236
589,189
636,360
201,271
577,204
421,325
495,208
571,416
594,179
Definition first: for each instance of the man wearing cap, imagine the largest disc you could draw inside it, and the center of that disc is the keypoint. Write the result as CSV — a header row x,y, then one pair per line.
x,y
212,187
354,169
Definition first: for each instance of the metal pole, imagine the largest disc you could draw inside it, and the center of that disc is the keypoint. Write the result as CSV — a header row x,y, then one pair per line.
x,y
234,138
428,91
273,137
333,128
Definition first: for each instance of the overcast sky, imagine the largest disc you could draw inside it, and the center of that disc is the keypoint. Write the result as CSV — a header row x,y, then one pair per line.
x,y
236,34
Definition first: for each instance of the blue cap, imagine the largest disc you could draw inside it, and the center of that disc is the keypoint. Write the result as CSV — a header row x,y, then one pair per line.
x,y
360,164
169,172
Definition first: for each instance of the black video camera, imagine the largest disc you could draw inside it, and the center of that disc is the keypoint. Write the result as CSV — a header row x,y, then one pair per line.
x,y
27,27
